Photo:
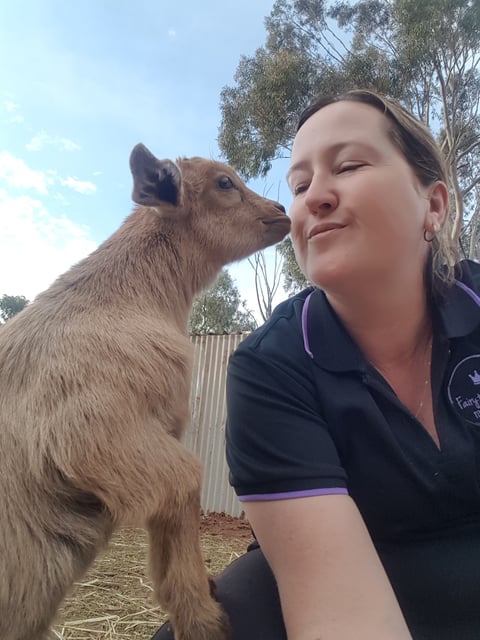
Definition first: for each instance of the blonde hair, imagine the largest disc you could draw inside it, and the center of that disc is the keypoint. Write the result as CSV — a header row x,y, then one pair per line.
x,y
419,148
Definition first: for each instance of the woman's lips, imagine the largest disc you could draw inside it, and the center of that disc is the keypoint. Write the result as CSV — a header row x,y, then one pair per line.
x,y
324,227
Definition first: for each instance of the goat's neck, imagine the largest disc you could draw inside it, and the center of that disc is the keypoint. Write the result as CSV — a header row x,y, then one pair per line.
x,y
144,266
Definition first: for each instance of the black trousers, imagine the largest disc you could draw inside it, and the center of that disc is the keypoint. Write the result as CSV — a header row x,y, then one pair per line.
x,y
248,593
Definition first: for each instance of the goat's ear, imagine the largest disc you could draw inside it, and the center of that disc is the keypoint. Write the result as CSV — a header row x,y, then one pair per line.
x,y
154,181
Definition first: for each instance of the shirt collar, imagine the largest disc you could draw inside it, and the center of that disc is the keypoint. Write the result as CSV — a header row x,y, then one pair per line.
x,y
328,343
325,338
460,311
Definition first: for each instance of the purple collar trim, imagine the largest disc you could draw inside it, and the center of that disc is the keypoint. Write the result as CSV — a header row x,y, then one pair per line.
x,y
306,343
469,292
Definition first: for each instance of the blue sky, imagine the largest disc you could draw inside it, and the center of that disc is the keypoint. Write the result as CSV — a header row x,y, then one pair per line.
x,y
80,84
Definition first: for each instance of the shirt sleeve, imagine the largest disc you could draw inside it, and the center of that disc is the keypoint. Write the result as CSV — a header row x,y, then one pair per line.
x,y
278,444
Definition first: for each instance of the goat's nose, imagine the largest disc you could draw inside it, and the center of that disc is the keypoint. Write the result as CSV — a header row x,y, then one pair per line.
x,y
280,207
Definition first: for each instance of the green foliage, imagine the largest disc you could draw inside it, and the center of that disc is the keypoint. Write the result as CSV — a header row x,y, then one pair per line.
x,y
293,278
256,130
220,310
11,305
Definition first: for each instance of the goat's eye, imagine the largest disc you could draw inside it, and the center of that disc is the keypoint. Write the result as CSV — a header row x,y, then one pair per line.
x,y
225,183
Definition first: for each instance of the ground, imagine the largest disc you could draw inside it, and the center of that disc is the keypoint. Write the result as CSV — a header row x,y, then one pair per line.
x,y
225,526
114,600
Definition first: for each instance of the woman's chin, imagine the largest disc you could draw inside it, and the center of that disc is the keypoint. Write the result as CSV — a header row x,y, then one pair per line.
x,y
326,274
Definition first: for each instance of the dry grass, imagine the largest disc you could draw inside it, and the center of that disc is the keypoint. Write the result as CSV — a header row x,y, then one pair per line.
x,y
115,599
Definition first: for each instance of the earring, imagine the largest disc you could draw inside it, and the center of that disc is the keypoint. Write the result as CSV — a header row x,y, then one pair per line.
x,y
430,235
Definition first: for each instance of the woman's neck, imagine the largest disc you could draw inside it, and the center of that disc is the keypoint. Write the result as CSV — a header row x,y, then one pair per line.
x,y
391,327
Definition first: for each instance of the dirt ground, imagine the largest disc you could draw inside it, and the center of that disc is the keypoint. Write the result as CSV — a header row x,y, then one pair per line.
x,y
221,524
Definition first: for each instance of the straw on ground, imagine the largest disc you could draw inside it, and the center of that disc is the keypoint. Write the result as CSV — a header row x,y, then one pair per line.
x,y
115,601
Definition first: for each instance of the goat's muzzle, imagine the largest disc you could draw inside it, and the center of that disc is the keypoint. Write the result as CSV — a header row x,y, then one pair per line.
x,y
277,227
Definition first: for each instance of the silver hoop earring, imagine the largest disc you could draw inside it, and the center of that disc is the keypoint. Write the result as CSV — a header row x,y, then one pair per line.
x,y
428,236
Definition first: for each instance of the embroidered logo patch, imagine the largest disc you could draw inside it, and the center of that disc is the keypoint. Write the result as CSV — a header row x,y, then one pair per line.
x,y
464,389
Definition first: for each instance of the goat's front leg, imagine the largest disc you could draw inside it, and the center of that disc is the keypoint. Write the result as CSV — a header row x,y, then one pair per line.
x,y
176,561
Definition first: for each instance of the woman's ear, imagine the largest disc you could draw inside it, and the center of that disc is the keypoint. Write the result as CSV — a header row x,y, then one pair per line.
x,y
438,206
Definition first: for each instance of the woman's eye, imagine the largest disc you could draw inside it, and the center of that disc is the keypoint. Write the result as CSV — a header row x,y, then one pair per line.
x,y
224,182
350,166
299,188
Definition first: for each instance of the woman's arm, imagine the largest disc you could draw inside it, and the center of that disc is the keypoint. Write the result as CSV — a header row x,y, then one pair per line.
x,y
332,584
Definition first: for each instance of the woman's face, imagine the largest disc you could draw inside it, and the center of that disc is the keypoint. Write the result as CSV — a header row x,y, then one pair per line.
x,y
358,209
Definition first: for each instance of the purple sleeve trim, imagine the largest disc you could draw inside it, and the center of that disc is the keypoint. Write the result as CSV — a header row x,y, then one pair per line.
x,y
469,291
293,494
305,325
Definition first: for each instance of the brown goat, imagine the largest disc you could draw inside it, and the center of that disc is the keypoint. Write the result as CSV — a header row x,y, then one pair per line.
x,y
94,388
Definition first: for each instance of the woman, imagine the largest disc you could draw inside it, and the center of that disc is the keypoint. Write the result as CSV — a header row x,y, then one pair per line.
x,y
353,433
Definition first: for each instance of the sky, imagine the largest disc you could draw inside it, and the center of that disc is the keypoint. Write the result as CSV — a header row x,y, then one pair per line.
x,y
80,84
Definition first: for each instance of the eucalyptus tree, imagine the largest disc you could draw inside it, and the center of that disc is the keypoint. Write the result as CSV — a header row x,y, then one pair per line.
x,y
11,305
220,309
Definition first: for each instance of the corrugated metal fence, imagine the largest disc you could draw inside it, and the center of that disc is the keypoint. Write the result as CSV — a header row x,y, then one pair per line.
x,y
206,435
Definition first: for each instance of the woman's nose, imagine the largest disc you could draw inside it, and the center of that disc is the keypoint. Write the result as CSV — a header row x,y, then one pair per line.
x,y
321,198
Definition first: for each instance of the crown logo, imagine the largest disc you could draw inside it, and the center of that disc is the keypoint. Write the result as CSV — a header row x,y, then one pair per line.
x,y
475,378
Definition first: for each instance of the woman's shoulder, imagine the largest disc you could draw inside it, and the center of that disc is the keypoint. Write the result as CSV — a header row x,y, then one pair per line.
x,y
282,330
459,308
468,273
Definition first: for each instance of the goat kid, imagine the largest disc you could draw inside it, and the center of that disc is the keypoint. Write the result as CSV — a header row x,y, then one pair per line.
x,y
95,380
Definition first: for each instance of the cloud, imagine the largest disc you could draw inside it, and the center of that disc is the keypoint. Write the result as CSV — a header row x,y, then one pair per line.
x,y
17,174
11,107
35,246
81,186
16,119
172,33
42,139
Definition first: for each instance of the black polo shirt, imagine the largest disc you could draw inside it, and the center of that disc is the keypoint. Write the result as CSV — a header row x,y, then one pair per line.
x,y
308,415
